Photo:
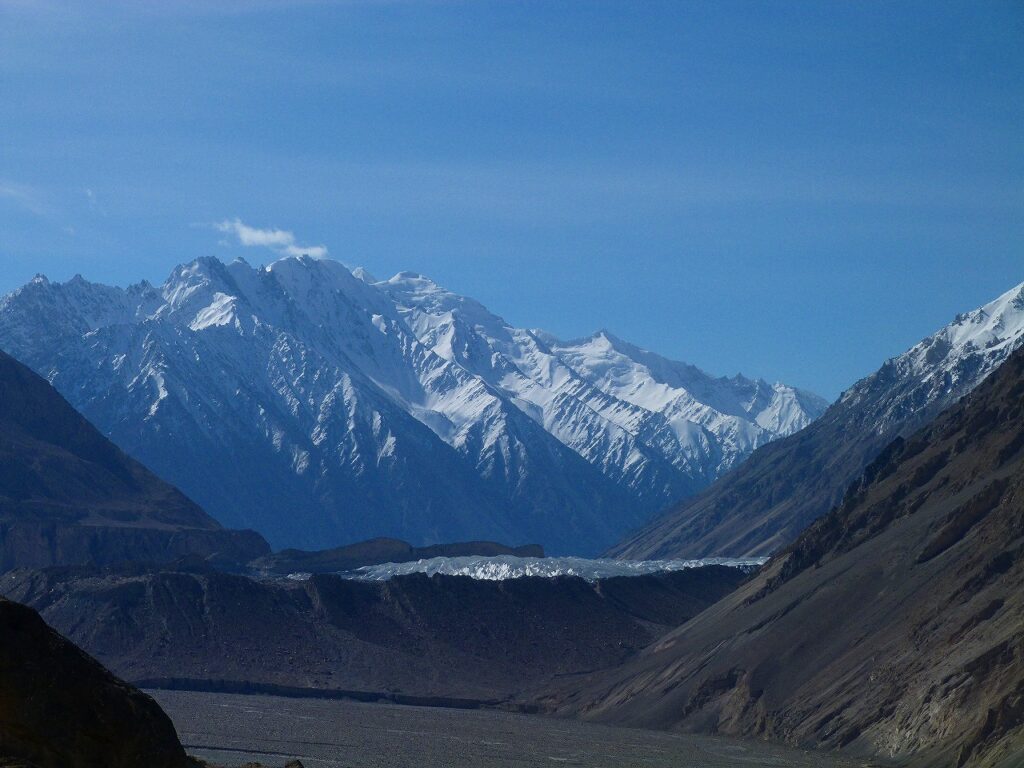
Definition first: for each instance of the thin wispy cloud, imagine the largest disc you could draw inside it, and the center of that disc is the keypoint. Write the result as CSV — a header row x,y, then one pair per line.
x,y
23,196
278,240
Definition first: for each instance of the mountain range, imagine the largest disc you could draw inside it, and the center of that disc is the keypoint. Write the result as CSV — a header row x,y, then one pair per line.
x,y
766,502
893,627
321,406
890,628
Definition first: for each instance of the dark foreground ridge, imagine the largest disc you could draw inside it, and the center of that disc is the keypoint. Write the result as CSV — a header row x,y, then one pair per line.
x,y
439,639
893,627
61,709
69,495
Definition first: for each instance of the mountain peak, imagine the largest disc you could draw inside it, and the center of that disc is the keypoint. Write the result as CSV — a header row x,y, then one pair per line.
x,y
308,386
959,355
362,274
414,281
141,287
200,267
779,491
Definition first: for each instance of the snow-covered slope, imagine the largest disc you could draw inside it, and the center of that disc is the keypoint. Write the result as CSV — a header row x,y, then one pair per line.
x,y
322,406
942,367
739,414
663,428
783,487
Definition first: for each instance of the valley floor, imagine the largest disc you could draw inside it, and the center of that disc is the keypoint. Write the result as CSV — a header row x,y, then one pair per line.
x,y
231,729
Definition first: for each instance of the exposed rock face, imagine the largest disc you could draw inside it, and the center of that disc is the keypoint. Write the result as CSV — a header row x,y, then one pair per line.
x,y
60,709
765,503
894,626
439,637
377,551
69,495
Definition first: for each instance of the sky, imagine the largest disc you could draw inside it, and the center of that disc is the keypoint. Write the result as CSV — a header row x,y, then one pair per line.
x,y
794,190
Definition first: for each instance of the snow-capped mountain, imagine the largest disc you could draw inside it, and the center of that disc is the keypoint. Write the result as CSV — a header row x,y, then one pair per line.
x,y
943,367
765,503
321,406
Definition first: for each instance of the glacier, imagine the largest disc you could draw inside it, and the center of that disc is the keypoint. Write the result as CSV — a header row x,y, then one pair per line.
x,y
502,567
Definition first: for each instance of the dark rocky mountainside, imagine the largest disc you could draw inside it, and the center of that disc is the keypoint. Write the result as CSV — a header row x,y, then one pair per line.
x,y
69,495
61,709
893,627
379,550
765,503
432,638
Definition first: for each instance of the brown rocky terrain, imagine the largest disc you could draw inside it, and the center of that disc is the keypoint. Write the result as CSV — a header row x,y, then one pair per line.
x,y
410,639
69,495
893,627
60,709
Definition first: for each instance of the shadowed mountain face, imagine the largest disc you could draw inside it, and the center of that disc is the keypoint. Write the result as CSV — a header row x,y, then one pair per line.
x,y
783,487
415,636
322,407
61,709
69,495
894,626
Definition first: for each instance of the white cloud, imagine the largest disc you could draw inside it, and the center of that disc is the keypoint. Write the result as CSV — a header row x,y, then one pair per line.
x,y
316,251
280,240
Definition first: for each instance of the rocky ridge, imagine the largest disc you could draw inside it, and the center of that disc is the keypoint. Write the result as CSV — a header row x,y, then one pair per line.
x,y
762,505
893,627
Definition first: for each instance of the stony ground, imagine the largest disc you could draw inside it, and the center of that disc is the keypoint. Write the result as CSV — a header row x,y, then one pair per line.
x,y
229,729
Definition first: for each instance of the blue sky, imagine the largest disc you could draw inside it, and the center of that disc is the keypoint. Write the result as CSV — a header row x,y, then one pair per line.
x,y
791,190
